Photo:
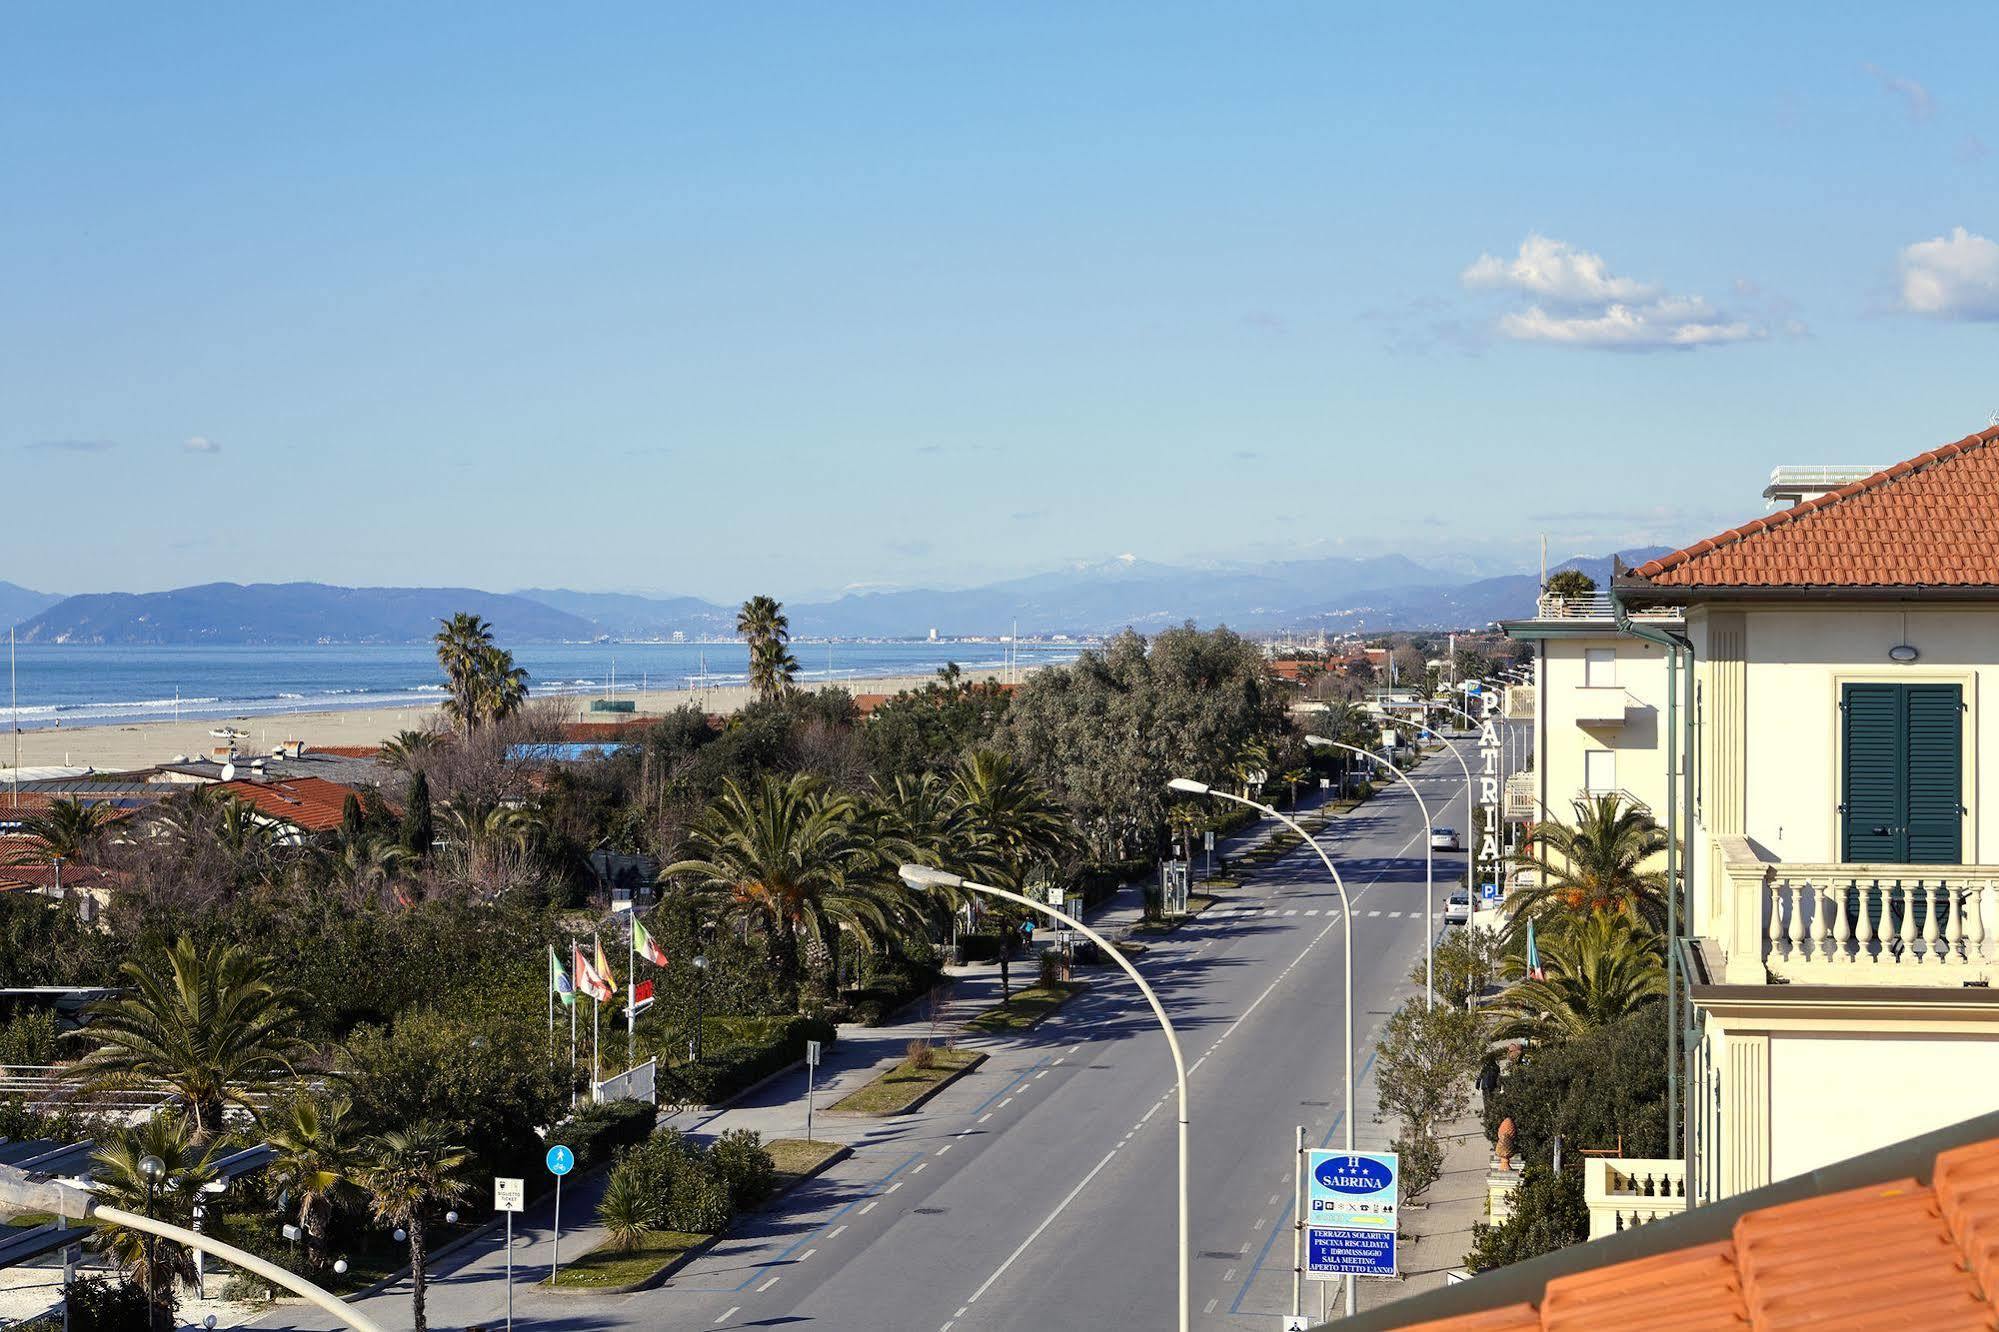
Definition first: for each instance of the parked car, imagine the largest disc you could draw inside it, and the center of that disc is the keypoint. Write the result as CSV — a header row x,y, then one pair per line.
x,y
1445,839
1457,911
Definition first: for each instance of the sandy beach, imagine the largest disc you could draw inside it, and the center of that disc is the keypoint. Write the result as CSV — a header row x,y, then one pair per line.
x,y
114,747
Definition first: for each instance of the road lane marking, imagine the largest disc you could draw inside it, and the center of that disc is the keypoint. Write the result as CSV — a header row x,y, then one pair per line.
x,y
983,1118
870,1207
834,1233
1042,1074
1046,1221
892,1188
1211,1306
807,1254
727,1316
768,1284
921,1168
945,1148
1007,1102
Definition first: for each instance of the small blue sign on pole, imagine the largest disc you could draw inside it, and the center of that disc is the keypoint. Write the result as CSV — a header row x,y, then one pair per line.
x,y
1350,1213
1488,894
560,1161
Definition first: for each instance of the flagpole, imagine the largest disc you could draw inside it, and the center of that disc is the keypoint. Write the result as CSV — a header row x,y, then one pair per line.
x,y
575,952
551,1003
632,993
596,1016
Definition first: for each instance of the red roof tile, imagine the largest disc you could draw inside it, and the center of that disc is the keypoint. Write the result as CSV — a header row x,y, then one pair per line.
x,y
345,751
311,803
1899,1254
1932,521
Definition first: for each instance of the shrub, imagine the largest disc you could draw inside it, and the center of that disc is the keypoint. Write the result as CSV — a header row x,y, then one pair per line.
x,y
700,1203
599,1131
31,1036
745,1167
1596,1091
736,1052
921,1054
626,1212
1051,967
97,1305
1549,1213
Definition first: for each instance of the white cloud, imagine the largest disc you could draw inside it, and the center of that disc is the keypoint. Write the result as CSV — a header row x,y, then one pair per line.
x,y
1952,277
1576,301
1916,99
201,444
1555,271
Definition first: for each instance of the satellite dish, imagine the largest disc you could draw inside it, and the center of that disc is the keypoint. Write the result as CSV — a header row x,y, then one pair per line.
x,y
228,772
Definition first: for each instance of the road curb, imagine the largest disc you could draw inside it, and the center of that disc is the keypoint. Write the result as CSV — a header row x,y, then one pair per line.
x,y
923,1098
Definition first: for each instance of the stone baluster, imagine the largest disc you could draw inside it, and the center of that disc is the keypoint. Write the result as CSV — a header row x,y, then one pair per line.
x,y
1824,908
1974,926
1863,925
1780,893
1842,925
1908,895
1943,923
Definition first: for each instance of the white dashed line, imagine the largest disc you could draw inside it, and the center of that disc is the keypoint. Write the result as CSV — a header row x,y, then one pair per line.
x,y
807,1254
768,1284
1004,1104
727,1316
987,1115
945,1148
869,1208
892,1188
1042,1074
834,1233
921,1166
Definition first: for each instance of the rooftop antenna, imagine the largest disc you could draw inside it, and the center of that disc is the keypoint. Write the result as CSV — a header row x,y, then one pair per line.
x,y
14,714
1992,420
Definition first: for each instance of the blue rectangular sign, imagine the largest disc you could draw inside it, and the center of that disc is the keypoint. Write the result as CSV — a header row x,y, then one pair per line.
x,y
1488,894
1331,1252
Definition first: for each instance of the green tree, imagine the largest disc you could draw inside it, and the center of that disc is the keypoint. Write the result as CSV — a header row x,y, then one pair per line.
x,y
482,684
1549,1213
1425,1062
213,1023
406,749
418,828
151,1263
766,629
316,1158
411,1176
1569,583
1593,865
1604,1090
928,729
1599,969
1464,963
1005,831
67,828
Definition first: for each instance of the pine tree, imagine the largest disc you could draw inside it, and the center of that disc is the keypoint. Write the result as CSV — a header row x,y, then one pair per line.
x,y
418,829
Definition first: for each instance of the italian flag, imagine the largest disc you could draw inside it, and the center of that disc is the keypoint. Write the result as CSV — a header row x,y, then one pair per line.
x,y
558,979
647,946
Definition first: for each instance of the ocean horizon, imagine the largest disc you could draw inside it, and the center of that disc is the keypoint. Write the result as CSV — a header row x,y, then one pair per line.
x,y
69,685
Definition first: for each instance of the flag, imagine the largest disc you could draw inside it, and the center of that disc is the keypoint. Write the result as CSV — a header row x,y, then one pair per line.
x,y
647,945
605,976
559,983
1535,971
588,978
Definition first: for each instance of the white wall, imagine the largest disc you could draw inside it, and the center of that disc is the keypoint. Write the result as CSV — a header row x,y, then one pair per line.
x,y
1639,743
1832,1097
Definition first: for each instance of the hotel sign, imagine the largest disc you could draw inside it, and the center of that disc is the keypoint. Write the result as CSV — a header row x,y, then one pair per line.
x,y
1490,855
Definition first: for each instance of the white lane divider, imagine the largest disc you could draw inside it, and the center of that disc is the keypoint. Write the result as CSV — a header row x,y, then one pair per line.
x,y
1046,1222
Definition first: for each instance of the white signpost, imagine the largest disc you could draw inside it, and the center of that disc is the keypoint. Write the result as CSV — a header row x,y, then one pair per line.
x,y
811,1068
510,1196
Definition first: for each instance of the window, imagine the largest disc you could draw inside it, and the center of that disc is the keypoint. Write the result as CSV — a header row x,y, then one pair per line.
x,y
1600,667
1901,783
1600,771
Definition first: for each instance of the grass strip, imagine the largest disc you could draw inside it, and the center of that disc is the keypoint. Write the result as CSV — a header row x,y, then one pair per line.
x,y
905,1084
1026,1008
605,1268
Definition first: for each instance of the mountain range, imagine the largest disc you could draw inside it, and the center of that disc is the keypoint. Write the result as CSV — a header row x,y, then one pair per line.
x,y
1336,595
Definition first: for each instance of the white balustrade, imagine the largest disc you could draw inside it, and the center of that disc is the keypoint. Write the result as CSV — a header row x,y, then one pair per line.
x,y
1877,924
1625,1192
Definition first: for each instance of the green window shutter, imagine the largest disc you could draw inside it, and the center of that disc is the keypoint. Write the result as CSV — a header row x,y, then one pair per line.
x,y
1875,731
1935,766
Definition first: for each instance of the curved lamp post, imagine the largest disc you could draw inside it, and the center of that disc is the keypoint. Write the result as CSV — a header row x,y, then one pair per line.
x,y
1424,728
1187,786
926,876
1429,865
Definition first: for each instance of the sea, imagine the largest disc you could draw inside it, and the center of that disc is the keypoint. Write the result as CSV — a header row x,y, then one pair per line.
x,y
80,686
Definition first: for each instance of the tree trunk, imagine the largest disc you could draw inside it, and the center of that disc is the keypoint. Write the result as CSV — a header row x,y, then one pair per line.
x,y
312,1220
418,1280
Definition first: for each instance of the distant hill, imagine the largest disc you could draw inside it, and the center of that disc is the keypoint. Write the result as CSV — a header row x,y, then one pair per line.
x,y
18,603
1467,605
624,615
280,613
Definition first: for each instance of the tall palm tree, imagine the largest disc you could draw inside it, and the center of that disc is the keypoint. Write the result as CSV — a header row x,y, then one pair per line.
x,y
67,828
502,686
213,1024
1599,967
786,857
1594,864
404,749
461,644
765,628
410,1176
1008,832
315,1159
151,1263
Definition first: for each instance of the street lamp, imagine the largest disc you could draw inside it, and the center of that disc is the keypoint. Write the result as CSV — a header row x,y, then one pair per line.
x,y
926,876
1424,728
1429,863
1187,786
155,1170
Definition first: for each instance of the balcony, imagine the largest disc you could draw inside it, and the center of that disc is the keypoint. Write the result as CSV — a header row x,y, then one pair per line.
x,y
1596,606
1520,703
1627,1191
1518,806
1854,924
1600,705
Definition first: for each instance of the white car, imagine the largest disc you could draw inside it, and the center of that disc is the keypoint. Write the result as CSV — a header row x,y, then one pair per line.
x,y
1445,839
1457,911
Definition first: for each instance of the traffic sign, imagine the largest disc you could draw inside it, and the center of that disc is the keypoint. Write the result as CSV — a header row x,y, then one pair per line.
x,y
1350,1209
812,1054
1296,1323
1057,896
509,1195
1488,894
560,1161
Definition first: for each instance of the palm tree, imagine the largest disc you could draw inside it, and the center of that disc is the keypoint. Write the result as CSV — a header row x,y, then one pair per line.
x,y
460,644
786,857
502,686
762,623
1594,865
404,749
626,1212
409,1176
1008,832
67,828
1599,968
316,1160
217,1028
153,1264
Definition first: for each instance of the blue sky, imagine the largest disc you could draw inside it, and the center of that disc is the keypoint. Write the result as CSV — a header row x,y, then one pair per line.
x,y
720,299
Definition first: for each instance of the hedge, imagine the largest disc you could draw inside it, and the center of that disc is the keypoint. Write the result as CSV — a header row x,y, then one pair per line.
x,y
739,1051
598,1132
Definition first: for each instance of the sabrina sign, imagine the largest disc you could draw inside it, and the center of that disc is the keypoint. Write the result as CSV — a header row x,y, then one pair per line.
x,y
1350,1206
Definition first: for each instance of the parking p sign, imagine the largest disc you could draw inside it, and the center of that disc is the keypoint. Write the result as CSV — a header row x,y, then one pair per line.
x,y
1350,1211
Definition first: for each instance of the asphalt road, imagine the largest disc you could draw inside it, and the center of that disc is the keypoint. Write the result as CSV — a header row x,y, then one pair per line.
x,y
1039,1192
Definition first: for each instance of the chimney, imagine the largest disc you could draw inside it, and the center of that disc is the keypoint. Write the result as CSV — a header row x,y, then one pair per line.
x,y
1792,486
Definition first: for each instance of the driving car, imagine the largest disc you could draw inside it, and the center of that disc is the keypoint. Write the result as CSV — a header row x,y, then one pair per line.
x,y
1444,839
1457,911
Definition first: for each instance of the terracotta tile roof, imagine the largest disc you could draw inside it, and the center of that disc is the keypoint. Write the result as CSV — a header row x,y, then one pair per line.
x,y
311,803
1896,1254
588,731
345,751
1932,521
14,878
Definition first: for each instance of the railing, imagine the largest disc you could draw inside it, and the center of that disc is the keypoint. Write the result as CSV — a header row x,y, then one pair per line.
x,y
1596,606
1520,702
1519,804
1858,924
1624,1192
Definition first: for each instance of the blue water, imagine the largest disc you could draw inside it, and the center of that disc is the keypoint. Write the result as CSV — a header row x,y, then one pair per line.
x,y
82,685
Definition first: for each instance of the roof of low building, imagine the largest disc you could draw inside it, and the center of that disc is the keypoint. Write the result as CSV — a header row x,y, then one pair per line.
x,y
1907,1236
311,803
348,770
1931,521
